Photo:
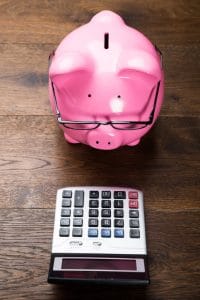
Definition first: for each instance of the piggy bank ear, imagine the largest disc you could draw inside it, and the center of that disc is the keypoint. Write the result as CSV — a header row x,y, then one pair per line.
x,y
140,65
64,66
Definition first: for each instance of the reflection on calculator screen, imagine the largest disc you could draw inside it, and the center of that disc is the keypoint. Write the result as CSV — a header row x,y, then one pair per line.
x,y
100,264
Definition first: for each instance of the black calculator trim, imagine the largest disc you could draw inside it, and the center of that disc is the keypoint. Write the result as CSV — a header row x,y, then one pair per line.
x,y
57,277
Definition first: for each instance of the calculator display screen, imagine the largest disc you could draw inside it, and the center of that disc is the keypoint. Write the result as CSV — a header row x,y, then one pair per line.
x,y
99,264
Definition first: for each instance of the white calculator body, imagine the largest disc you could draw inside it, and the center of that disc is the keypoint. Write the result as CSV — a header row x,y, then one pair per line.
x,y
99,236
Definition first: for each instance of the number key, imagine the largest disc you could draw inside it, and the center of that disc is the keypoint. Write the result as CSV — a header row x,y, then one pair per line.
x,y
93,212
118,213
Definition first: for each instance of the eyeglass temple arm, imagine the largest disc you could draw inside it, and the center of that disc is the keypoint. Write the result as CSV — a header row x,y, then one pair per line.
x,y
158,86
155,102
160,54
52,85
55,100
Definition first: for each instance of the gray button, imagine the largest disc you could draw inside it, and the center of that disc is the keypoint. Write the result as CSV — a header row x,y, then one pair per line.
x,y
133,213
66,202
64,222
77,232
119,223
120,195
106,222
106,203
134,223
65,212
93,222
94,203
78,212
67,194
79,199
106,213
134,233
106,194
93,212
64,231
118,203
78,222
94,194
118,213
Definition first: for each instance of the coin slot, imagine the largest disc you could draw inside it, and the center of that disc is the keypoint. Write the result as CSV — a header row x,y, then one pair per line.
x,y
106,40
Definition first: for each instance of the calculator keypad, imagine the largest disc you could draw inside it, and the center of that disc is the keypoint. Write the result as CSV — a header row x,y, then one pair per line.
x,y
105,213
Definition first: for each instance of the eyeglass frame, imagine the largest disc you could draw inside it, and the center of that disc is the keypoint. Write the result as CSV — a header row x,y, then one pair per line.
x,y
99,123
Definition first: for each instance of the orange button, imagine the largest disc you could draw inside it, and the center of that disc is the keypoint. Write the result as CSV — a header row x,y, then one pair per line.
x,y
133,203
133,195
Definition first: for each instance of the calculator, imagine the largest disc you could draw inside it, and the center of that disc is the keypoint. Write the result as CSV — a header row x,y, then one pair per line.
x,y
99,236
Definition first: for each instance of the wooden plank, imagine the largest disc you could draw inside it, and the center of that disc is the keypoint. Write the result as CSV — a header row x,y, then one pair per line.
x,y
176,22
24,80
170,136
26,265
35,160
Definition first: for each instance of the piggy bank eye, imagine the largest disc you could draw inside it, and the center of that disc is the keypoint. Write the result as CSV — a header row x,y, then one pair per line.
x,y
89,95
118,96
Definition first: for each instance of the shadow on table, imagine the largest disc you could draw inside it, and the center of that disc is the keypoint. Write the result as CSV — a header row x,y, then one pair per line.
x,y
98,291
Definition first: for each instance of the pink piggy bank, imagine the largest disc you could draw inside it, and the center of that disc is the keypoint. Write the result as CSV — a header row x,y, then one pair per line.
x,y
106,83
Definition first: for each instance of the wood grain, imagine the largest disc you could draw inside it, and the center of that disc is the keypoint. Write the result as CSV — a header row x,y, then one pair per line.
x,y
32,231
33,171
35,160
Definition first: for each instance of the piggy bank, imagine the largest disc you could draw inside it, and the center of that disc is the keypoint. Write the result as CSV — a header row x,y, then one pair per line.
x,y
106,83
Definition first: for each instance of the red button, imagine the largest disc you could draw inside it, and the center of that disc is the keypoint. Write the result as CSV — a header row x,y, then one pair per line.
x,y
133,195
133,203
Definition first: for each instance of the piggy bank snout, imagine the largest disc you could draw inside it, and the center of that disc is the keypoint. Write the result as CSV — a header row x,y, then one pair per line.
x,y
104,139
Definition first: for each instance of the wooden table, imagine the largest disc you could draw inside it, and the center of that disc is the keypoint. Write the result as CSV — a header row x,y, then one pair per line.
x,y
35,160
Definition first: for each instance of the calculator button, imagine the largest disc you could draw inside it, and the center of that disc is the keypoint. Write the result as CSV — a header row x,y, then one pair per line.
x,y
93,212
93,222
120,195
134,223
66,202
106,233
106,203
65,212
64,231
92,232
78,222
118,203
106,213
94,203
119,223
134,213
94,194
106,222
119,233
118,213
78,212
77,232
132,195
106,194
79,199
134,233
133,203
64,222
67,194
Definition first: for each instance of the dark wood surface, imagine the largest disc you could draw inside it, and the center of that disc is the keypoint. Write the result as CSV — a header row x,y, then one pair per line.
x,y
35,160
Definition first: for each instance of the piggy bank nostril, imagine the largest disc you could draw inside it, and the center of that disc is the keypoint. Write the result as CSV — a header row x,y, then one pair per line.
x,y
109,143
97,142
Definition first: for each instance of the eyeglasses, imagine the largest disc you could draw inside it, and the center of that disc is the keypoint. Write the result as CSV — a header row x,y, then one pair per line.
x,y
119,125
